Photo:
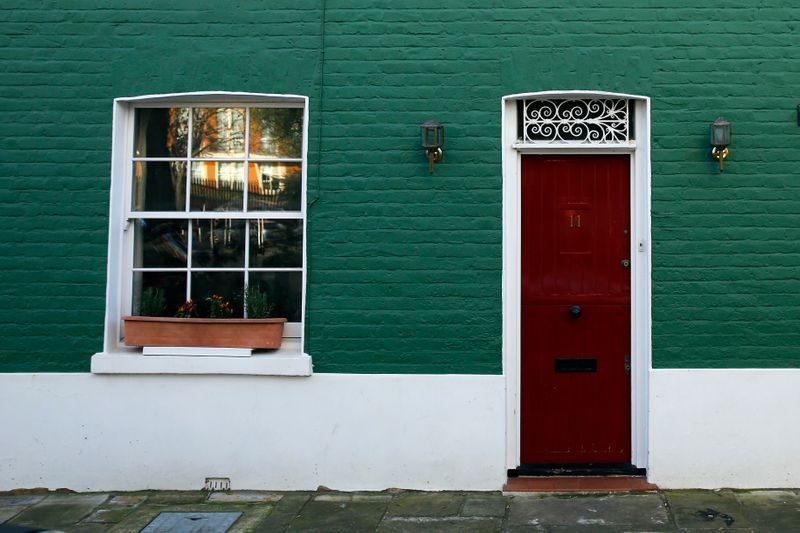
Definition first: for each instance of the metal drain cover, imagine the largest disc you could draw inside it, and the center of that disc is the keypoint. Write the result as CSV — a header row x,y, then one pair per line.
x,y
192,523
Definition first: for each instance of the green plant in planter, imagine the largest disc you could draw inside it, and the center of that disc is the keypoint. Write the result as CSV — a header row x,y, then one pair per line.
x,y
257,302
152,302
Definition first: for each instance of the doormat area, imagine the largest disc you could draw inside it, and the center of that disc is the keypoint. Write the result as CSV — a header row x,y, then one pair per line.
x,y
192,523
585,484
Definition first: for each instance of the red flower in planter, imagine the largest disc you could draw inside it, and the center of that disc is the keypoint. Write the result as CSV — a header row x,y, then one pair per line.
x,y
219,307
186,310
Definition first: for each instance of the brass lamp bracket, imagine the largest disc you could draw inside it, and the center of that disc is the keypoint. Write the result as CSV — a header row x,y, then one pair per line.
x,y
434,156
720,154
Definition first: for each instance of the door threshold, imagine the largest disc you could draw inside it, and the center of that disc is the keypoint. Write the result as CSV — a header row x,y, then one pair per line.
x,y
578,484
584,470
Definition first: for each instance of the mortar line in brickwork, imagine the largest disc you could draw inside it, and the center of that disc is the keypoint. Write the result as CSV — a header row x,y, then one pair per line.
x,y
321,104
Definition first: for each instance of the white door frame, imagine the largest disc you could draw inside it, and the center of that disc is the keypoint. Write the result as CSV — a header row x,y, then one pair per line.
x,y
639,149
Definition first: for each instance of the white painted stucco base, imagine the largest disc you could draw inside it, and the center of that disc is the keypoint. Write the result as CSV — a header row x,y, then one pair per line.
x,y
725,428
368,432
708,429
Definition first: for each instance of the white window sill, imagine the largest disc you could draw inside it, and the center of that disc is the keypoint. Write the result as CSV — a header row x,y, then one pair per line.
x,y
287,361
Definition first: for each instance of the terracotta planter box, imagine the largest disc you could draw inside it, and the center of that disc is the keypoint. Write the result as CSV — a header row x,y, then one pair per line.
x,y
264,333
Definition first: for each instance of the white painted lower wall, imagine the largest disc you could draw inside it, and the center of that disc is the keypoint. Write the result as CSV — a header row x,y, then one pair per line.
x,y
707,429
725,428
368,432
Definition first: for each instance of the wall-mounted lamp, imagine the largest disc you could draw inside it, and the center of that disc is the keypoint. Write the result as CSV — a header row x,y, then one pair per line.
x,y
432,140
720,139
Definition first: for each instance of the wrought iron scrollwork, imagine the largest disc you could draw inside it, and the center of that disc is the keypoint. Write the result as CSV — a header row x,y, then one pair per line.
x,y
583,121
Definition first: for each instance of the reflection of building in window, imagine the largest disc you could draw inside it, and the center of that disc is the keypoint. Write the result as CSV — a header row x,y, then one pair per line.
x,y
273,180
231,130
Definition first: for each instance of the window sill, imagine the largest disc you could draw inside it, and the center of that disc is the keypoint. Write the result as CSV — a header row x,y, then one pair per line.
x,y
287,361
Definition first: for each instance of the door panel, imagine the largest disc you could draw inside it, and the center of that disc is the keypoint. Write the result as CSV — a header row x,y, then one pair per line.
x,y
575,398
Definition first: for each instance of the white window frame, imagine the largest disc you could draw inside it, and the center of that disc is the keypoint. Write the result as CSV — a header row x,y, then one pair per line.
x,y
290,359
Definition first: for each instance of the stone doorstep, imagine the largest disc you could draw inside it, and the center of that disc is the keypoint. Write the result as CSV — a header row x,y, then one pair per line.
x,y
578,484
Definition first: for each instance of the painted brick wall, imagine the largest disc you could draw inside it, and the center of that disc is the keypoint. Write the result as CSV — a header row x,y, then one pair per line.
x,y
404,268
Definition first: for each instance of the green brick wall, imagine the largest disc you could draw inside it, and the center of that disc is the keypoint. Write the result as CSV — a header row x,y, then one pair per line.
x,y
404,268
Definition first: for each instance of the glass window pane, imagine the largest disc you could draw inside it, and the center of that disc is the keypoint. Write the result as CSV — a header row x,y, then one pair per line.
x,y
284,290
276,133
159,186
158,293
276,243
159,243
218,243
218,132
229,285
161,132
273,187
217,186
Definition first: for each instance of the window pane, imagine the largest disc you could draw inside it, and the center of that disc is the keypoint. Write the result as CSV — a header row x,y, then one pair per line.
x,y
159,186
218,243
217,186
161,132
150,287
276,243
273,187
284,290
218,132
229,285
159,243
276,133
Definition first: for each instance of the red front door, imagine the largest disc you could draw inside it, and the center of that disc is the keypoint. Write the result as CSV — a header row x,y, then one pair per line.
x,y
575,385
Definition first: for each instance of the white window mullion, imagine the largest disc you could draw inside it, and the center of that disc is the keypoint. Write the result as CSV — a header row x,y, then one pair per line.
x,y
246,183
186,208
189,162
189,240
246,266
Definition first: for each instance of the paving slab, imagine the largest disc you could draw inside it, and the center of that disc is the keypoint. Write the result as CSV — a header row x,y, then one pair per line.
x,y
178,497
645,512
488,505
703,510
115,509
89,528
59,511
771,510
286,510
426,504
440,525
604,529
10,506
333,517
353,498
244,496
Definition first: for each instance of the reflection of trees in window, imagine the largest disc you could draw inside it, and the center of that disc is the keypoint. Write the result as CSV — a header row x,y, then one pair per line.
x,y
276,132
217,132
160,132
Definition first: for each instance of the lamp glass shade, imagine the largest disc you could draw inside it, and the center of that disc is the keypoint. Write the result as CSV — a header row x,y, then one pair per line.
x,y
432,134
720,132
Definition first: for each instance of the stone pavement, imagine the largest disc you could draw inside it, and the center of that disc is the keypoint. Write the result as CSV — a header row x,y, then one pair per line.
x,y
399,511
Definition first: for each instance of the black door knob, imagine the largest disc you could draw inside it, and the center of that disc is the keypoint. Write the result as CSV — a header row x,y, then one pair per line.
x,y
575,311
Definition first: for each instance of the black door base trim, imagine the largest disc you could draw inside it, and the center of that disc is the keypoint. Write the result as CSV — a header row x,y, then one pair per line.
x,y
577,470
